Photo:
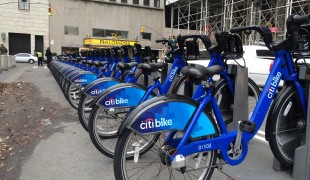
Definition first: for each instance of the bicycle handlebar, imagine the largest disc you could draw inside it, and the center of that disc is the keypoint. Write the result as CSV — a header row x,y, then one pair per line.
x,y
297,20
263,31
293,24
205,39
163,41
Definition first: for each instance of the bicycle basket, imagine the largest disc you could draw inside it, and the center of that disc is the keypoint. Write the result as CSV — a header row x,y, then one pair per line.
x,y
192,50
303,45
232,47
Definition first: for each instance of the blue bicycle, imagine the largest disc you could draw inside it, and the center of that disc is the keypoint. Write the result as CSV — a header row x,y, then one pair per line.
x,y
73,87
111,107
175,137
91,91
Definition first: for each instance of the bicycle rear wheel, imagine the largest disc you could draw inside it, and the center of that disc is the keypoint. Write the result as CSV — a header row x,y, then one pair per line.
x,y
150,164
287,128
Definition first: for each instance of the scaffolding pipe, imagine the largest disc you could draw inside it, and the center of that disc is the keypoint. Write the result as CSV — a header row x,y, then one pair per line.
x,y
231,13
288,12
201,16
172,17
251,23
179,19
189,14
206,17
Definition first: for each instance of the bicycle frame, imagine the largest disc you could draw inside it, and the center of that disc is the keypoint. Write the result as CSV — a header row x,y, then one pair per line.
x,y
215,59
176,67
283,68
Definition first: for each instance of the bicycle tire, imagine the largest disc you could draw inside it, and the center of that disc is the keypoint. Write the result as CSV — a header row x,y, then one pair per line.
x,y
179,87
104,142
73,95
228,101
84,112
121,155
286,131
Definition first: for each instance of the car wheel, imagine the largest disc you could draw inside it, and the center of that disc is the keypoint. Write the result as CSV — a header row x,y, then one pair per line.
x,y
31,61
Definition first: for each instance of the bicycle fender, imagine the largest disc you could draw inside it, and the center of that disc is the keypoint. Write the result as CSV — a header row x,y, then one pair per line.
x,y
84,78
122,95
99,85
167,113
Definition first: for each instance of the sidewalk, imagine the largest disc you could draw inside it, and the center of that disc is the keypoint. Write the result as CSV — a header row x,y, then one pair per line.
x,y
68,153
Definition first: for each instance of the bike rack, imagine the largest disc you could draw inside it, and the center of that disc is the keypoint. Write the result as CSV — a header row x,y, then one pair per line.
x,y
301,168
241,104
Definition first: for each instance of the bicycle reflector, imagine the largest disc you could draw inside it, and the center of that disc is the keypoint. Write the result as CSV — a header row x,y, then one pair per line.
x,y
270,67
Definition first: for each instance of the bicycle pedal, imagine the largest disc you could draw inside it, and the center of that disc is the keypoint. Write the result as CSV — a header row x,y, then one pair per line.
x,y
247,126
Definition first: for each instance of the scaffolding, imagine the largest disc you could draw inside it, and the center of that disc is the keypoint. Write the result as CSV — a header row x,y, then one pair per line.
x,y
205,16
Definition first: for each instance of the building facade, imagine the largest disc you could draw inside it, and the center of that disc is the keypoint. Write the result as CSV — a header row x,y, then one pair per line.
x,y
74,25
90,24
24,26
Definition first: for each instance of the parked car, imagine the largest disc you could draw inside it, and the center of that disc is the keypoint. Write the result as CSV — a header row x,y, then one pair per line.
x,y
25,57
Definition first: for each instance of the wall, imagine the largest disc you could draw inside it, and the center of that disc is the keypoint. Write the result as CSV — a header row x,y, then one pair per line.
x,y
103,15
33,21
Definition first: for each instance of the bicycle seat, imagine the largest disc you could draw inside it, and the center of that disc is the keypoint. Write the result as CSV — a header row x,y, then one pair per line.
x,y
102,63
90,62
151,67
126,66
201,73
96,63
84,61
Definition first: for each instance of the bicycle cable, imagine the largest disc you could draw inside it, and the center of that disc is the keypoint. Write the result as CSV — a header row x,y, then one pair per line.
x,y
242,66
300,56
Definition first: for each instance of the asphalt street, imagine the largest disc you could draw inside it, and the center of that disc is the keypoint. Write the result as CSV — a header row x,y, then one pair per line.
x,y
69,154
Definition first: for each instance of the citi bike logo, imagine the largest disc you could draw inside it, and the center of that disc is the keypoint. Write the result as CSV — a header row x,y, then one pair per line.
x,y
172,74
80,80
118,101
274,84
154,123
96,91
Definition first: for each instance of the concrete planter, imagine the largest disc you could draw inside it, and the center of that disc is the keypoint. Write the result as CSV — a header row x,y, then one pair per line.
x,y
14,61
4,63
10,63
0,66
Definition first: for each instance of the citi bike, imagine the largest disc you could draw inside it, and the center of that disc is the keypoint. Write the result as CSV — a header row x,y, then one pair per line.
x,y
77,80
91,91
111,107
174,137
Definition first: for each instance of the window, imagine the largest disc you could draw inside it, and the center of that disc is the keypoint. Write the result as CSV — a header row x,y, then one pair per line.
x,y
23,55
124,1
110,33
98,32
146,36
135,2
146,2
112,0
23,4
157,3
70,30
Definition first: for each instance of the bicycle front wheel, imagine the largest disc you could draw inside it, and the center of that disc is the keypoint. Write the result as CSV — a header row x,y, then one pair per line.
x,y
150,163
84,110
287,128
225,99
102,128
74,95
